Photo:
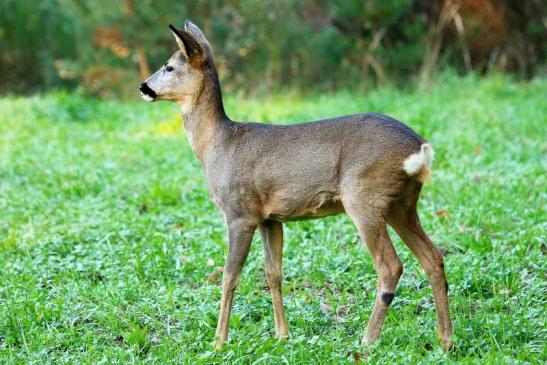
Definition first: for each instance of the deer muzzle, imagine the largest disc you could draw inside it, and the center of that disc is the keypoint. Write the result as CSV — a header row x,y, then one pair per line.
x,y
147,93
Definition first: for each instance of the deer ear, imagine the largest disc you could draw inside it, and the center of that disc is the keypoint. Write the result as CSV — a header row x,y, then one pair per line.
x,y
199,36
194,29
189,46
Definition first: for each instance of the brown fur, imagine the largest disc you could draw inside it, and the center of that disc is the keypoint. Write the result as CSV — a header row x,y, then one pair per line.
x,y
423,175
263,175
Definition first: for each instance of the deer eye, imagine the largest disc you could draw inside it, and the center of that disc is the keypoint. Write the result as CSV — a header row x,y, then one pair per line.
x,y
169,68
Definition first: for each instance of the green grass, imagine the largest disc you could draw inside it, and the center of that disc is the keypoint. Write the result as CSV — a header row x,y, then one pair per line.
x,y
108,236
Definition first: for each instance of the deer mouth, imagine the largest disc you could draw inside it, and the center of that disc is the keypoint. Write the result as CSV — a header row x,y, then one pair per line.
x,y
147,93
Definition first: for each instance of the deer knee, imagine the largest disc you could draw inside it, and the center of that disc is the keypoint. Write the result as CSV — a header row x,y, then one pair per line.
x,y
389,280
387,298
435,270
437,264
274,277
230,281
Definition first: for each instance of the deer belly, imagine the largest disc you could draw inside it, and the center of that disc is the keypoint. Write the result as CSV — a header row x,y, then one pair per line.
x,y
320,205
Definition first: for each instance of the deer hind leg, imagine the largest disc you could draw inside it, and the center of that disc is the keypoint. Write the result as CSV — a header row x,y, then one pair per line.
x,y
405,221
372,229
272,237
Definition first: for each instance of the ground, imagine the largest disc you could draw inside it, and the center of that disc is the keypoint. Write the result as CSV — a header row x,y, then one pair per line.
x,y
110,247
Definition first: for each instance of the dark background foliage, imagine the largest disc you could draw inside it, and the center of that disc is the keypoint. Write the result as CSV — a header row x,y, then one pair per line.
x,y
105,47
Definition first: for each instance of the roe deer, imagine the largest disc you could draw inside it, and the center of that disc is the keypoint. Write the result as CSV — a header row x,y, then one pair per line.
x,y
369,166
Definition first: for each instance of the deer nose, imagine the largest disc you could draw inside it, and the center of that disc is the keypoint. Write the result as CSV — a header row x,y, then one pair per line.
x,y
147,91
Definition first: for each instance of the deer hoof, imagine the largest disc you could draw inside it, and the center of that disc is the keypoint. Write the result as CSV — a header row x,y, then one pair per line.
x,y
446,344
218,344
367,341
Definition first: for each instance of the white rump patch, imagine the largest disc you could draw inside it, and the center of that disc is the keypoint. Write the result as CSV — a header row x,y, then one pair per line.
x,y
414,163
146,97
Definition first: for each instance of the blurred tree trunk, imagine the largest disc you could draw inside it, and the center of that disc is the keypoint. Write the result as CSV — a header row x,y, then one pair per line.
x,y
448,12
144,68
143,62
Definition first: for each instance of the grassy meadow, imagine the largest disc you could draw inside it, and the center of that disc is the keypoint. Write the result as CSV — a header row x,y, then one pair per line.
x,y
110,247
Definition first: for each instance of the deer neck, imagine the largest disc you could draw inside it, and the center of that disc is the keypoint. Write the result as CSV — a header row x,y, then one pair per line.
x,y
203,118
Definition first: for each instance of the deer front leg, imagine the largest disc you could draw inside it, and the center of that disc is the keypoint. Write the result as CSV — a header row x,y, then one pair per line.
x,y
272,237
240,236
